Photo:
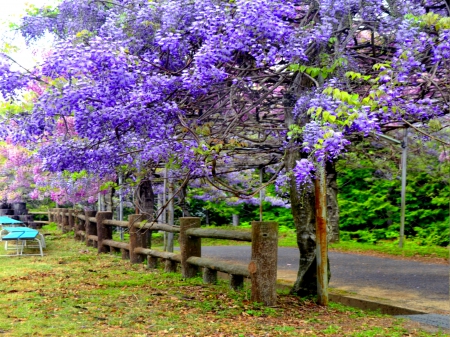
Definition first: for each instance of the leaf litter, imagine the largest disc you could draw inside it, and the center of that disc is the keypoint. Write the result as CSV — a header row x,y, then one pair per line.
x,y
106,296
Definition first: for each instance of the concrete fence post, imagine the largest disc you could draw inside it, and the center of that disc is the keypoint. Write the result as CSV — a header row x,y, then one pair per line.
x,y
189,246
263,264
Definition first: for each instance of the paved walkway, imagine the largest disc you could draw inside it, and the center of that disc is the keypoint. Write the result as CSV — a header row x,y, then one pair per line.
x,y
440,321
410,284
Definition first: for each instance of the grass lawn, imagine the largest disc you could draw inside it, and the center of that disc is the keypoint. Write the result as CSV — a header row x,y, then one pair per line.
x,y
72,291
410,249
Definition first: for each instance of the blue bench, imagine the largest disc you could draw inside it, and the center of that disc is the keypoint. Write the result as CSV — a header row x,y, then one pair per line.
x,y
21,235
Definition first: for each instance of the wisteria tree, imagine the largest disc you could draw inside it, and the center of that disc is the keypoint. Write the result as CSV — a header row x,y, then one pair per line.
x,y
22,175
16,173
23,179
209,87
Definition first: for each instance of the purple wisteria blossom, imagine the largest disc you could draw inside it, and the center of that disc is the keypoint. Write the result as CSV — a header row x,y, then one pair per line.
x,y
140,79
304,172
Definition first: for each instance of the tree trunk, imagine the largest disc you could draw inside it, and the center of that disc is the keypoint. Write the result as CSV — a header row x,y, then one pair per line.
x,y
303,205
146,198
183,203
146,204
303,212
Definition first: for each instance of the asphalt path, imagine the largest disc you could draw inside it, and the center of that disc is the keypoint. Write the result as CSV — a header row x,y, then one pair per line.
x,y
407,283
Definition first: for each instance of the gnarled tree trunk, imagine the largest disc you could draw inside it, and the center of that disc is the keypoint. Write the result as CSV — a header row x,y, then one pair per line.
x,y
145,198
303,208
303,212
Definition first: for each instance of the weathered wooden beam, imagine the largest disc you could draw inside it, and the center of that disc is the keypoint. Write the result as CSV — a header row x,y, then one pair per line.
x,y
225,267
154,226
116,223
113,249
220,234
116,244
93,238
81,235
156,253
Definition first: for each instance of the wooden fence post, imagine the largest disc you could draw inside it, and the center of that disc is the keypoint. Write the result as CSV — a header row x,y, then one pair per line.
x,y
76,226
209,276
170,266
103,232
65,220
125,254
90,228
60,219
49,212
71,219
57,217
136,237
263,264
152,262
189,246
114,249
236,282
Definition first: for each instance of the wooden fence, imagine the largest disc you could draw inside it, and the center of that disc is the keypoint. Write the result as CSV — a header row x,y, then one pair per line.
x,y
41,222
96,230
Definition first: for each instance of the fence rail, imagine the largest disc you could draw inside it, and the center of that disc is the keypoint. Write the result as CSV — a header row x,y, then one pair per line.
x,y
44,222
96,230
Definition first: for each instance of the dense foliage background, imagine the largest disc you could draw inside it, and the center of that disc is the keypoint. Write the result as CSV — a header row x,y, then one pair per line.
x,y
369,196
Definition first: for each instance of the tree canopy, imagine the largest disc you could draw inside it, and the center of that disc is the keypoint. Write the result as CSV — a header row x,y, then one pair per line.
x,y
202,80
